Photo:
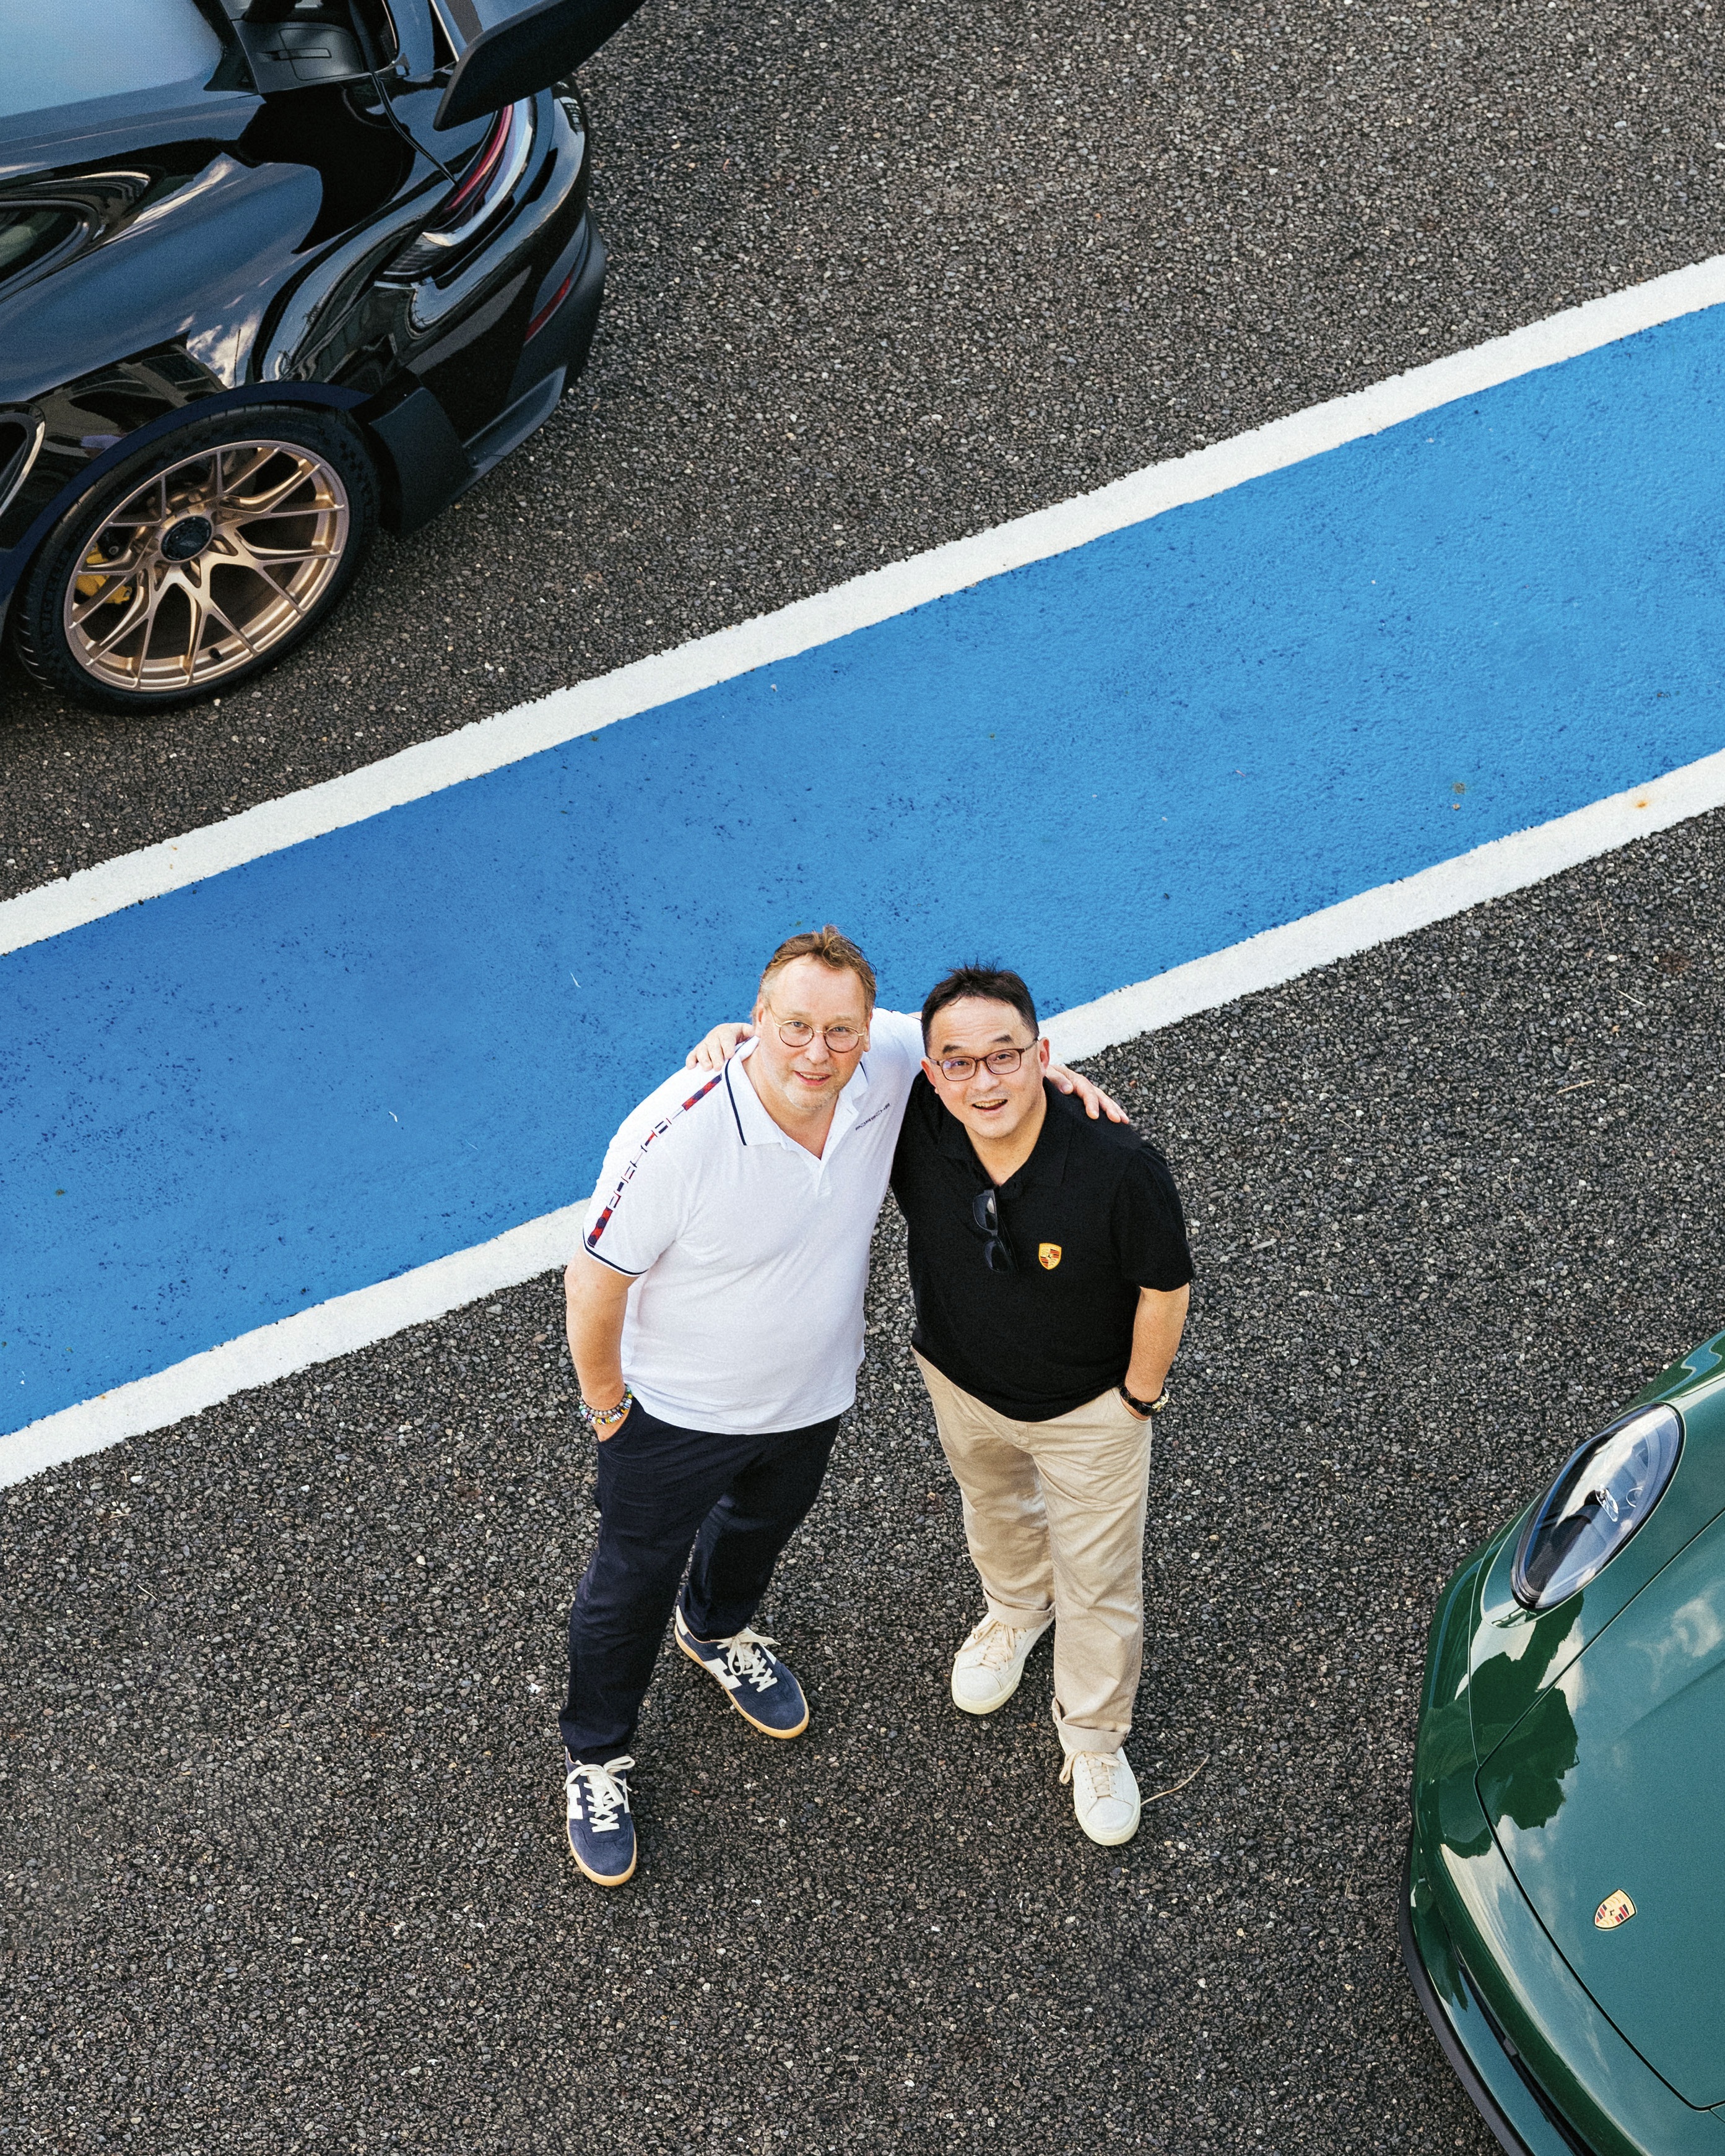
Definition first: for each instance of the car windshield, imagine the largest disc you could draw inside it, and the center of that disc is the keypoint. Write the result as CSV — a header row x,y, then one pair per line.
x,y
79,49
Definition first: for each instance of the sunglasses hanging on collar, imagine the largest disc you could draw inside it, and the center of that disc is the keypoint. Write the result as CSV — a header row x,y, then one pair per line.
x,y
985,1221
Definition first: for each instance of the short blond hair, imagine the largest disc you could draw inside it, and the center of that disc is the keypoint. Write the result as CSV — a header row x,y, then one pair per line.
x,y
833,948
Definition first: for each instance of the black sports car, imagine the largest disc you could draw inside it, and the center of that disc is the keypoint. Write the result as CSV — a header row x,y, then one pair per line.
x,y
272,273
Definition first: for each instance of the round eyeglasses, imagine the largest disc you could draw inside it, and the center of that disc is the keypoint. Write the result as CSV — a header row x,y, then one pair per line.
x,y
1000,1063
797,1033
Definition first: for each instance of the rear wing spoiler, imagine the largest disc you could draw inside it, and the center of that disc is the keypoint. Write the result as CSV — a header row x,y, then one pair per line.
x,y
509,49
503,49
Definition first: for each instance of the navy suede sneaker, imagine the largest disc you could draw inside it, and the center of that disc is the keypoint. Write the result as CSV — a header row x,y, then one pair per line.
x,y
601,1835
762,1689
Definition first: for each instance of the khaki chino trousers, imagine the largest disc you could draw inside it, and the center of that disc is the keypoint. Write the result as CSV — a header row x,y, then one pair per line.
x,y
1054,1514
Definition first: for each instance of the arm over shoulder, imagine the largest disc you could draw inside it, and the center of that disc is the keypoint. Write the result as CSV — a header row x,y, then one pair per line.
x,y
896,1033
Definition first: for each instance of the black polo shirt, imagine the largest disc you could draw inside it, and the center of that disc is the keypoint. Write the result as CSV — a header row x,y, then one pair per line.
x,y
1092,1217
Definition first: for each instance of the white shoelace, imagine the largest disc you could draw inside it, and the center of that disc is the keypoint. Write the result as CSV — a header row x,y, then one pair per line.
x,y
747,1662
1095,1776
606,1792
993,1644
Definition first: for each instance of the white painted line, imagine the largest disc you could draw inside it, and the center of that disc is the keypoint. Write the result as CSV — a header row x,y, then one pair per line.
x,y
488,744
337,1328
1279,955
1438,893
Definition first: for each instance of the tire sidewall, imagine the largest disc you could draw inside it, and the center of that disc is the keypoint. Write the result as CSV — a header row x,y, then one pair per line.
x,y
39,633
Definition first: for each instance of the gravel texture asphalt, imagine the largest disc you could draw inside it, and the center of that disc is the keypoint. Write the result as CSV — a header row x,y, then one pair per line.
x,y
280,1835
280,1847
884,275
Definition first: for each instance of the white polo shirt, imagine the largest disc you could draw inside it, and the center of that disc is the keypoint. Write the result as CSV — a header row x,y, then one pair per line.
x,y
749,1256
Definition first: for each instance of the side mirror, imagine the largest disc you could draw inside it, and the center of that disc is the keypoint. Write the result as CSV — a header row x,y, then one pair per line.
x,y
518,49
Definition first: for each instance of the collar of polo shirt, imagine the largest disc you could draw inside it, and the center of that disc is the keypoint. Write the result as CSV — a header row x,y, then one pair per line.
x,y
755,1126
1048,1157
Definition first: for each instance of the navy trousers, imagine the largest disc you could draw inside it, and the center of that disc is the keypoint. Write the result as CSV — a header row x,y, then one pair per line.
x,y
736,1501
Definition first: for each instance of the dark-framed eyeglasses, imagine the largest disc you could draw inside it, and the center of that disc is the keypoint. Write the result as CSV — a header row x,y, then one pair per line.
x,y
985,1221
797,1033
999,1062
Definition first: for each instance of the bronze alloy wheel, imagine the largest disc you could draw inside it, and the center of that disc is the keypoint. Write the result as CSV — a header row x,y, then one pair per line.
x,y
207,567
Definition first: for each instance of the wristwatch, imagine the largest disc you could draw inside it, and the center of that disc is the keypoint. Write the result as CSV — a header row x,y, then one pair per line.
x,y
598,1418
1145,1407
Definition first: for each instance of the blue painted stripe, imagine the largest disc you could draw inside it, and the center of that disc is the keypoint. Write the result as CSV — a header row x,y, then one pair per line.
x,y
344,1060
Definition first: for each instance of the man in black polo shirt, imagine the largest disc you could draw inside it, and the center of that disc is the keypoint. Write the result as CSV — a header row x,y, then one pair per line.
x,y
1050,1269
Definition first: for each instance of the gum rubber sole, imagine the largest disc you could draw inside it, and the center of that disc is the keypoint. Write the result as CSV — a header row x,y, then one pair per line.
x,y
738,1704
615,1879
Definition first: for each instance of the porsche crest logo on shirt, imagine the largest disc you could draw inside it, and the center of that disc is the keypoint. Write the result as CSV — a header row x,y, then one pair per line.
x,y
1048,1256
1615,1909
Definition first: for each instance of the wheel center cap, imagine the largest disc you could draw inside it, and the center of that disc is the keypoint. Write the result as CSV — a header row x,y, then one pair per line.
x,y
189,536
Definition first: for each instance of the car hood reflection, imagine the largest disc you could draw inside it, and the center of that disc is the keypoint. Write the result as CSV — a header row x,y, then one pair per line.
x,y
1612,1783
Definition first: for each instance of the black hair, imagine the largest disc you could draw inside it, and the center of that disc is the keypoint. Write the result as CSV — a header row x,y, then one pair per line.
x,y
994,984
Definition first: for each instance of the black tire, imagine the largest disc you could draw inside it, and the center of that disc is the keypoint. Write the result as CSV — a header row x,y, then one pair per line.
x,y
79,591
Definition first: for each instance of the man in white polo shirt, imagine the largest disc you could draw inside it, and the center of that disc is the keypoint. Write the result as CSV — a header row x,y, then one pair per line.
x,y
722,1276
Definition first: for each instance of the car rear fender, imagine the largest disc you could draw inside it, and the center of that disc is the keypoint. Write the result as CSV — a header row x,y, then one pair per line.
x,y
195,268
82,444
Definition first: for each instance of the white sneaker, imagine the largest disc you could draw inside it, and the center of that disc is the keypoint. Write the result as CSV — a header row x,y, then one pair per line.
x,y
986,1668
1105,1795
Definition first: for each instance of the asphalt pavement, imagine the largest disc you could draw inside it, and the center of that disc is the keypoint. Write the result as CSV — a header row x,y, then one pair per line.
x,y
281,1861
282,1852
882,276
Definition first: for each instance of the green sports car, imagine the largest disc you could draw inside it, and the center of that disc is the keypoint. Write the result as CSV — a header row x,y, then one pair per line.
x,y
1563,1912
